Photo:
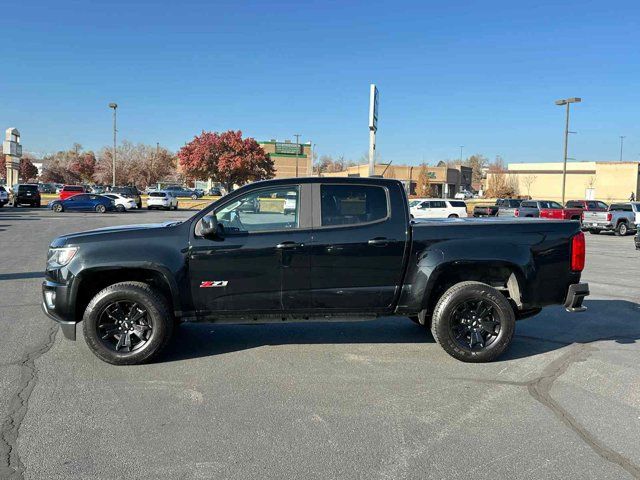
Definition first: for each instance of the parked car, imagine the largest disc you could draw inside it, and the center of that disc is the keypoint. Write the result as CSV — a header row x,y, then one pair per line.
x,y
547,209
620,218
86,202
588,205
508,205
636,239
215,192
351,250
182,192
4,196
463,195
25,194
129,192
47,188
439,208
122,203
98,189
162,199
70,190
291,203
59,187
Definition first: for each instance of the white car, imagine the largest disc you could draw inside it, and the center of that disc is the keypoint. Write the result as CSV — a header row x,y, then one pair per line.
x,y
437,208
463,195
162,199
290,203
122,203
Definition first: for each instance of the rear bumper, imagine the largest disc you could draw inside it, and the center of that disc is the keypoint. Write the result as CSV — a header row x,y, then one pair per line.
x,y
575,297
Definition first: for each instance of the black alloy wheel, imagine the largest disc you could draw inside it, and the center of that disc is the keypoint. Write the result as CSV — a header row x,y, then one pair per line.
x,y
124,326
473,324
127,323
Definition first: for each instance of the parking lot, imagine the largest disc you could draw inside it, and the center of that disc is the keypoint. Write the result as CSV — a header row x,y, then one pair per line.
x,y
365,400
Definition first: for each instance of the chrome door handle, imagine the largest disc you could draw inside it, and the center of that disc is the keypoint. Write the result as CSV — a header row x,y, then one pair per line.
x,y
379,241
288,245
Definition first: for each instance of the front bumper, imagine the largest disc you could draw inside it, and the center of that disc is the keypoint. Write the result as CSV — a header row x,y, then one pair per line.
x,y
575,297
55,306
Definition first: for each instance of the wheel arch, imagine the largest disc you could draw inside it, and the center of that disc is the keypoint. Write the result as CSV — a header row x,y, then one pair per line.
x,y
90,281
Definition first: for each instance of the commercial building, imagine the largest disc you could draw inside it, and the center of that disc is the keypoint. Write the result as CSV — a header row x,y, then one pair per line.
x,y
290,159
444,181
607,181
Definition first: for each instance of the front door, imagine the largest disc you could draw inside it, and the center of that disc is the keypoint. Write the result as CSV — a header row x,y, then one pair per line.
x,y
359,244
261,261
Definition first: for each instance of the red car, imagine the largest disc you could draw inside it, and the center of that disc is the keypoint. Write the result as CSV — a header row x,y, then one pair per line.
x,y
588,205
547,209
70,190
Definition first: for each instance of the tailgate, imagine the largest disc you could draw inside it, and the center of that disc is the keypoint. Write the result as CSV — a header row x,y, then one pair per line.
x,y
594,217
551,213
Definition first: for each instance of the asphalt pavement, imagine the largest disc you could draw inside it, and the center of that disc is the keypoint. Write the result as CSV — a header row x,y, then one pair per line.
x,y
366,400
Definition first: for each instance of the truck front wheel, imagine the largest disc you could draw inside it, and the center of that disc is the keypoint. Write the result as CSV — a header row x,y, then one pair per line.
x,y
473,322
127,323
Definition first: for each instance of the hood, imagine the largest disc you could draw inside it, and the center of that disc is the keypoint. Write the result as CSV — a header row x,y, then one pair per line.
x,y
128,230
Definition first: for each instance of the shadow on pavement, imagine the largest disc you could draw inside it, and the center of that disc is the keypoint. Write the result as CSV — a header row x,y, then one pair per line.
x,y
552,329
21,275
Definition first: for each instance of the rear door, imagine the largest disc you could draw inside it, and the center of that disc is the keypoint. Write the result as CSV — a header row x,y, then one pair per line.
x,y
359,239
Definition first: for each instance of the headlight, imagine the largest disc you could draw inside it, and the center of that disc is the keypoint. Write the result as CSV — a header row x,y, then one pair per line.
x,y
59,257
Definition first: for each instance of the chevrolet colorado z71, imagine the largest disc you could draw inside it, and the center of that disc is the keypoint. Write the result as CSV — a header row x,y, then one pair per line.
x,y
347,250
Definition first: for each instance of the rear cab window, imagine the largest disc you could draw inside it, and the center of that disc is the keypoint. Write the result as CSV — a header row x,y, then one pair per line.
x,y
343,205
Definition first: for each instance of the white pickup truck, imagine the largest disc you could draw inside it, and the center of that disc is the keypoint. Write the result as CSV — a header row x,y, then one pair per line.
x,y
621,218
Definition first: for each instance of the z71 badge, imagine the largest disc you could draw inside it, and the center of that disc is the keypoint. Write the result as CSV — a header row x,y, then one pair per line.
x,y
213,283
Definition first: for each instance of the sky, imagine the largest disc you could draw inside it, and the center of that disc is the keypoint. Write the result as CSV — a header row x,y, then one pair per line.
x,y
482,74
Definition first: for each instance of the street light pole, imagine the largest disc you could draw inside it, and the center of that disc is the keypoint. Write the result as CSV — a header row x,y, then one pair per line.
x,y
461,147
297,135
567,102
115,107
622,137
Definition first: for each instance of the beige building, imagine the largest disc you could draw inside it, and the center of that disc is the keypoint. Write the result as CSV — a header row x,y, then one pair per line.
x,y
607,181
286,155
445,181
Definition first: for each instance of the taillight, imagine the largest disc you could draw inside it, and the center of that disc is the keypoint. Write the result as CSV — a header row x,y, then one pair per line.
x,y
582,217
578,252
516,213
609,217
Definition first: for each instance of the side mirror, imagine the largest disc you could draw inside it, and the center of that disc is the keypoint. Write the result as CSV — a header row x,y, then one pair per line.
x,y
210,227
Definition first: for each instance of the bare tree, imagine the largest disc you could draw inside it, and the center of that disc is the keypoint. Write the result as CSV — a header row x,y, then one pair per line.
x,y
528,182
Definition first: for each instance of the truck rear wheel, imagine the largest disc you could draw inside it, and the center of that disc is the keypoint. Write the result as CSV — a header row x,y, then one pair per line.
x,y
127,323
621,229
473,322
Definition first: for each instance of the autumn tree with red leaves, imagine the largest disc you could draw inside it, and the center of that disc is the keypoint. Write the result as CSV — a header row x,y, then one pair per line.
x,y
226,158
27,170
83,165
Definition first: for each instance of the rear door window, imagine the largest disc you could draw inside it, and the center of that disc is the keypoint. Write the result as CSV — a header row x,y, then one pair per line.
x,y
457,204
438,204
352,204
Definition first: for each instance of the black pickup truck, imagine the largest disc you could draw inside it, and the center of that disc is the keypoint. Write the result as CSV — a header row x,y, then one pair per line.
x,y
345,248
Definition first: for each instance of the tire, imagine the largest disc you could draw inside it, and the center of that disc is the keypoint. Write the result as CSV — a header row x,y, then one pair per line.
x,y
594,232
451,332
157,316
176,207
120,208
622,229
194,197
58,208
38,204
101,208
139,205
149,208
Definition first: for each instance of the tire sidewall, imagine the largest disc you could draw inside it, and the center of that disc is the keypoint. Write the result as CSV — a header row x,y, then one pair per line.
x,y
622,229
161,324
441,324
